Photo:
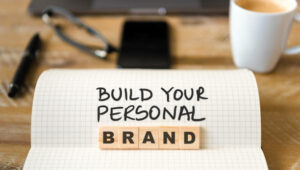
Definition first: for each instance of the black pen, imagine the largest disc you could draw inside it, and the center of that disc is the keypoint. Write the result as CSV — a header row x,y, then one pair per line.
x,y
25,65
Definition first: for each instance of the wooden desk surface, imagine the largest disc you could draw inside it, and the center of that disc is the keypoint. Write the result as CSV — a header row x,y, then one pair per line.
x,y
197,42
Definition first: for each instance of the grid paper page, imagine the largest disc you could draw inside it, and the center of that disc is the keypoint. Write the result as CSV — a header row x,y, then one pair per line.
x,y
92,159
65,113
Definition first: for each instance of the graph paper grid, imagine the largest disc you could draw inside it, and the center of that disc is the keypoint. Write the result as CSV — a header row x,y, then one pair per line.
x,y
64,133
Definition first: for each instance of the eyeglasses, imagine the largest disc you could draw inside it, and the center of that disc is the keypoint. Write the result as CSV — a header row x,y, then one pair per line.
x,y
54,10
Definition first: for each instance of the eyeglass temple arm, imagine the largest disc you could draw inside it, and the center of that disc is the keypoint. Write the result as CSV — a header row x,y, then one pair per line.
x,y
47,14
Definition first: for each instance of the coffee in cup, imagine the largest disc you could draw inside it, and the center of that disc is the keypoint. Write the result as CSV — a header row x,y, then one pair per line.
x,y
268,6
259,31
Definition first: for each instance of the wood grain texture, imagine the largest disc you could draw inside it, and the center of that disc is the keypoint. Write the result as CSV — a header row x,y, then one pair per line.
x,y
112,140
197,42
154,134
196,131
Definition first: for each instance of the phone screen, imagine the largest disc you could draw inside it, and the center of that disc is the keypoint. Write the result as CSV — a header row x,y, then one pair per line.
x,y
145,44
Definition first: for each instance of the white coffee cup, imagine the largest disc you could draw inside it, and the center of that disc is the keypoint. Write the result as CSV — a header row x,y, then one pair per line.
x,y
259,39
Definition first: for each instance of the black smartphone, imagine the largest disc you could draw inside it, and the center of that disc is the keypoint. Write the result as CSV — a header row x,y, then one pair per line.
x,y
144,44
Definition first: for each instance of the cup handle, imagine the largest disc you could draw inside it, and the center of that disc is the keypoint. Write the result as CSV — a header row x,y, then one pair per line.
x,y
296,49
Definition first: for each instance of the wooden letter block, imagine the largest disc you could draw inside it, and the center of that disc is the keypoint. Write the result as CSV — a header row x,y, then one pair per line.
x,y
168,138
189,137
148,137
108,137
128,137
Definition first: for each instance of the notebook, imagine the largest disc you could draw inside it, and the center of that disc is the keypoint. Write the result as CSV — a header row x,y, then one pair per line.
x,y
66,118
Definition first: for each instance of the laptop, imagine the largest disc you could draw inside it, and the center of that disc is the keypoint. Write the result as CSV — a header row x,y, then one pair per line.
x,y
156,7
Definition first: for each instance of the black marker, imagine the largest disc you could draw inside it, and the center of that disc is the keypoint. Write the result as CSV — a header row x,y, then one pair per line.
x,y
25,64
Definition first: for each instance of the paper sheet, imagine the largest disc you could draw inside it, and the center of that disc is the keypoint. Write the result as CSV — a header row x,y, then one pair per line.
x,y
64,133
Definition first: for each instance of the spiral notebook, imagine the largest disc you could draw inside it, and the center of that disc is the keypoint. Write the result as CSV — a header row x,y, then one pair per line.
x,y
68,111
